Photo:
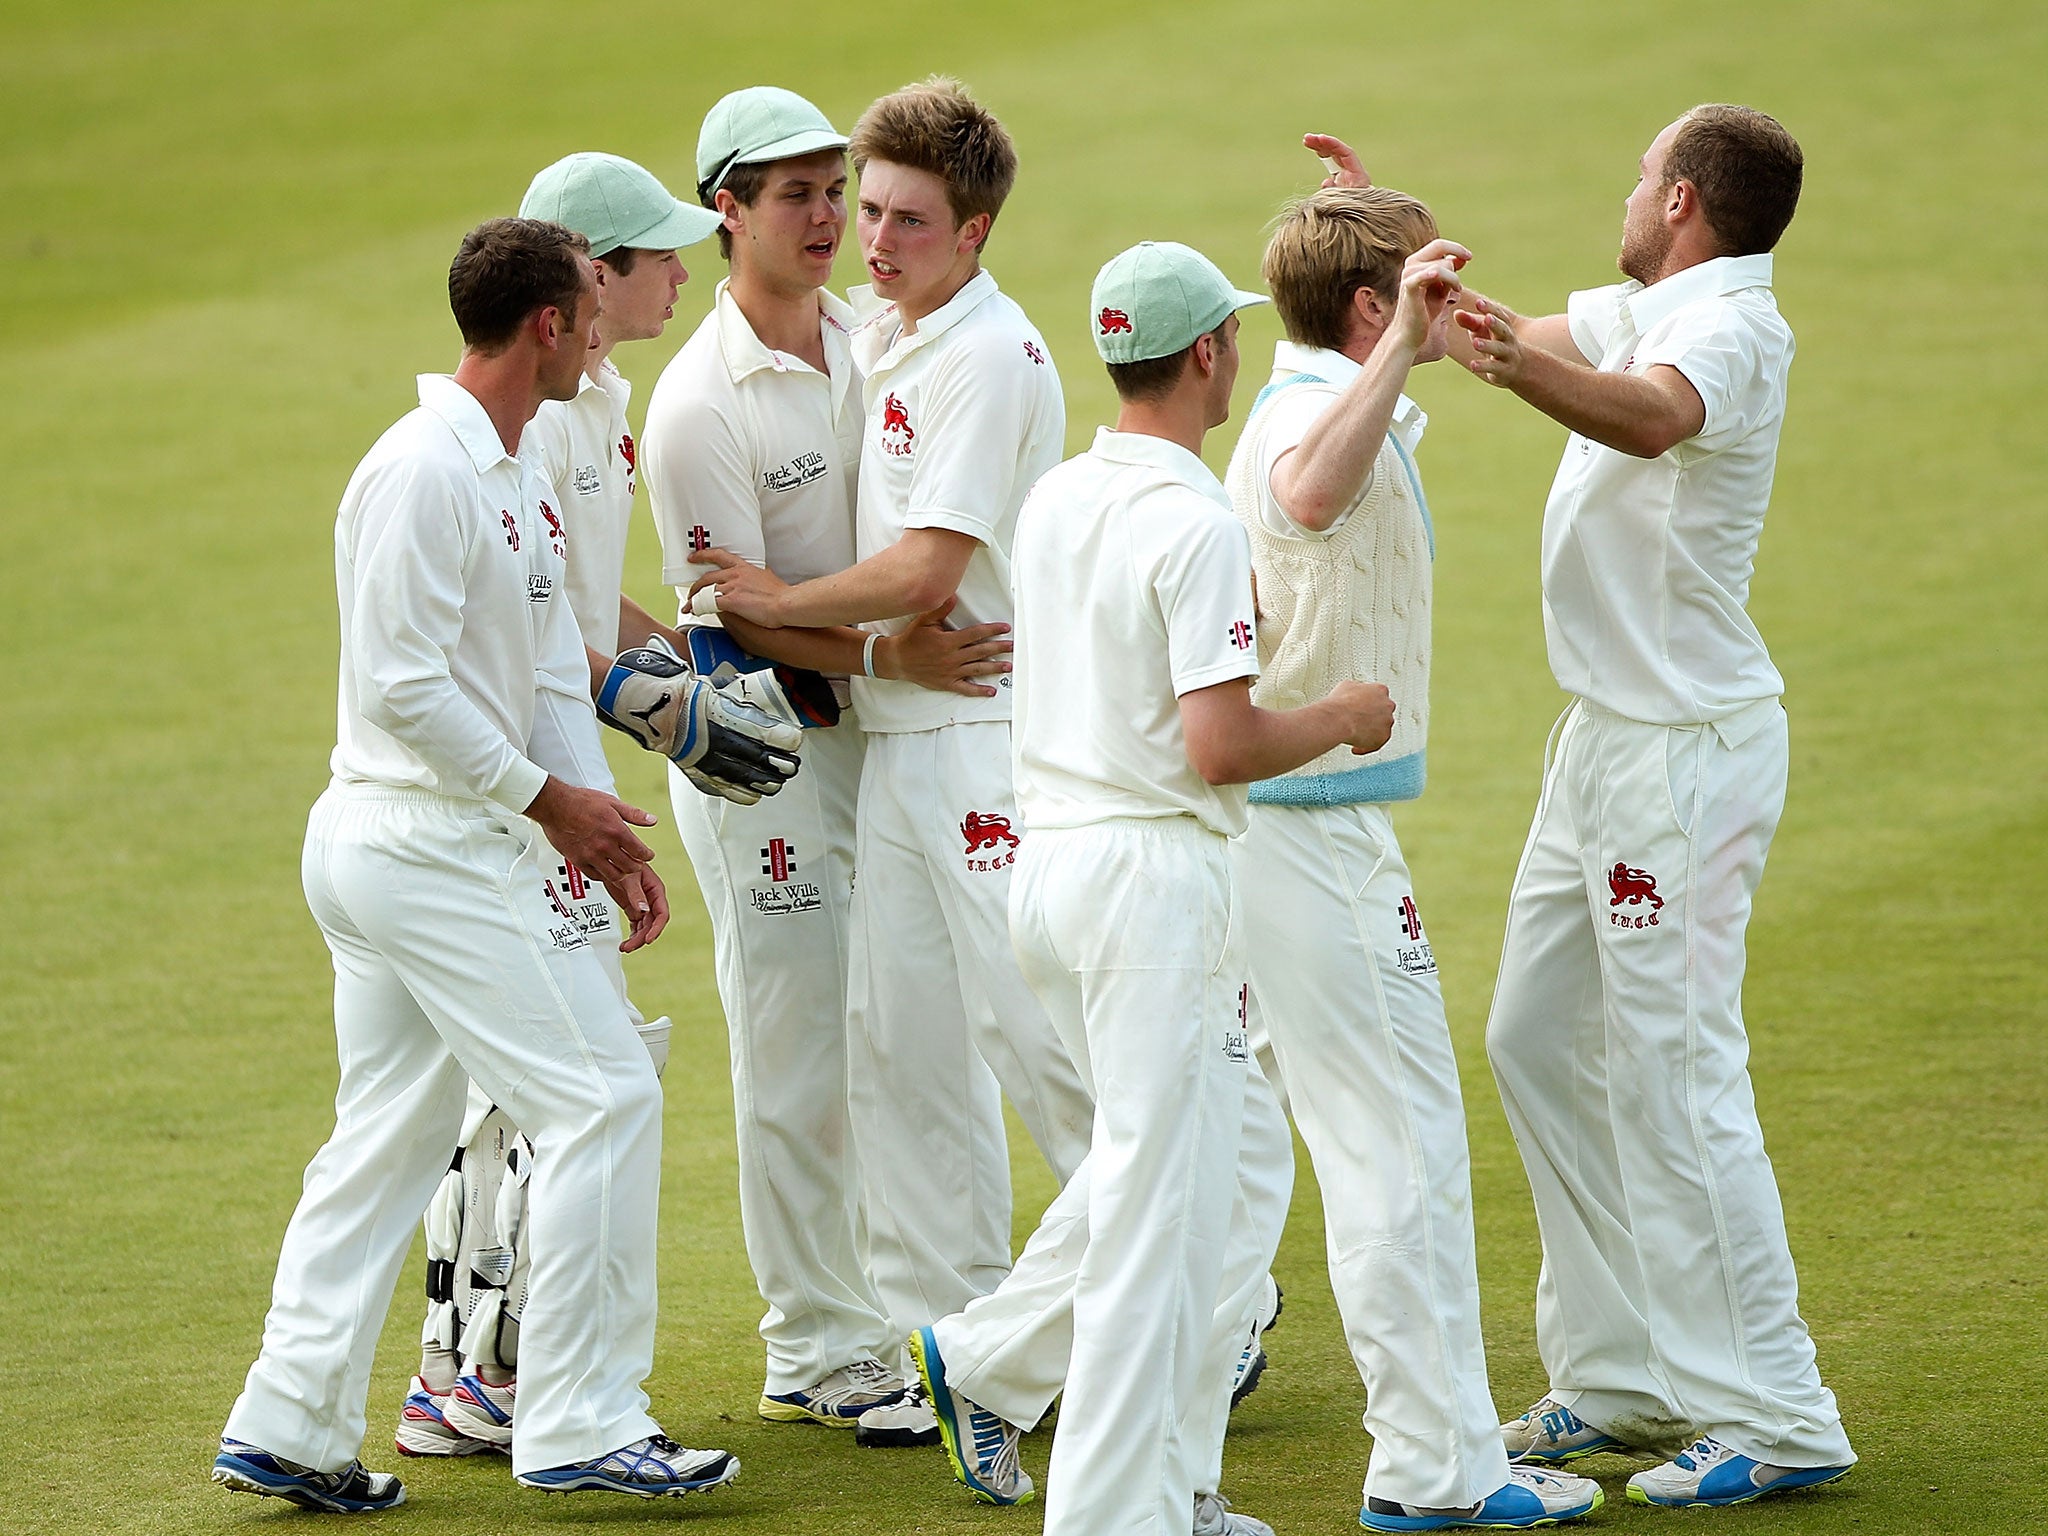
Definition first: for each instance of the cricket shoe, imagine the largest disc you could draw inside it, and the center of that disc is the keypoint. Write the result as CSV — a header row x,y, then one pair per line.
x,y
981,1445
840,1399
1251,1360
244,1468
1528,1498
1214,1517
653,1468
1712,1474
1550,1434
908,1421
481,1410
423,1428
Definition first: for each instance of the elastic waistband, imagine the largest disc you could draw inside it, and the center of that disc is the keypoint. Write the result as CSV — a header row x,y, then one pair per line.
x,y
1176,828
1734,728
410,794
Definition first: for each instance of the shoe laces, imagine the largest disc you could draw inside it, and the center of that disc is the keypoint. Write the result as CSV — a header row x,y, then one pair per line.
x,y
873,1375
1703,1453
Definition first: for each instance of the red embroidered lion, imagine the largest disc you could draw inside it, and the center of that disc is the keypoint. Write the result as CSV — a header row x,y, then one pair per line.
x,y
986,831
1634,886
1112,321
895,418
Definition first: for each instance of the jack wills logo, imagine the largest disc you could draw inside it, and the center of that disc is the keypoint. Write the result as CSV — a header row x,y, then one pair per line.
x,y
783,896
1414,958
897,435
801,470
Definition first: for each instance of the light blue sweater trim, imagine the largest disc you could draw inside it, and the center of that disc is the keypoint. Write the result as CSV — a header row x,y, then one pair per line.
x,y
1400,778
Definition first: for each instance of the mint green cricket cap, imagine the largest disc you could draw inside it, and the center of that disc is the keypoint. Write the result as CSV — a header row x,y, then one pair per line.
x,y
612,202
1156,298
760,123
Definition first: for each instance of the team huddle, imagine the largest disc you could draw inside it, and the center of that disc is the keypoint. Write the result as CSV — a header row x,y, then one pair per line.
x,y
1066,783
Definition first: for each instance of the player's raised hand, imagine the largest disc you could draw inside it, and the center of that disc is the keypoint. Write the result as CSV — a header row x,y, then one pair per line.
x,y
1429,286
736,586
592,829
1339,159
644,900
1496,353
1365,712
946,660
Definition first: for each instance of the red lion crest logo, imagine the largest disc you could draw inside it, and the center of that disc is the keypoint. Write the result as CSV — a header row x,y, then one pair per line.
x,y
1634,886
1112,321
626,450
895,418
986,831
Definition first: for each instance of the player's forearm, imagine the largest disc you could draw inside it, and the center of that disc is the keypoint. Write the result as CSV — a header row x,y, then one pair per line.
x,y
1247,743
911,576
835,651
1621,411
636,624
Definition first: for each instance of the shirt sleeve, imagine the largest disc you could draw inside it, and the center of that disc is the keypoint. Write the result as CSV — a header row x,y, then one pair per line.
x,y
1204,590
410,558
566,740
1284,422
1721,356
699,472
978,409
1591,314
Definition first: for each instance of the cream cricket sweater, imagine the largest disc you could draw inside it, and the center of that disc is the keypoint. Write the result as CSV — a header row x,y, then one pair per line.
x,y
1353,604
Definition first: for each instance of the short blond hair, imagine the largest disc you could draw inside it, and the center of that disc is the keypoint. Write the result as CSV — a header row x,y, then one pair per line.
x,y
935,126
1330,244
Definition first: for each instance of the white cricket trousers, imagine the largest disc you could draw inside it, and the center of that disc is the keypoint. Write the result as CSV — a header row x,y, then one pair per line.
x,y
450,963
1345,987
1667,1296
777,879
940,1019
1127,931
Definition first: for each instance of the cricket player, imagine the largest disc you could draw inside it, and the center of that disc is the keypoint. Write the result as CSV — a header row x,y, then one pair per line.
x,y
752,445
463,1400
1135,734
1325,484
963,413
1668,1304
464,710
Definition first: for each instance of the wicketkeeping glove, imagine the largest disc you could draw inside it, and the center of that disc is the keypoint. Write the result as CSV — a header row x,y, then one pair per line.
x,y
739,742
719,659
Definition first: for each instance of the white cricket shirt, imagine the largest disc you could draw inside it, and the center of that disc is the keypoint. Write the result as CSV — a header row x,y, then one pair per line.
x,y
754,450
586,452
1294,405
1133,587
1646,562
462,671
963,416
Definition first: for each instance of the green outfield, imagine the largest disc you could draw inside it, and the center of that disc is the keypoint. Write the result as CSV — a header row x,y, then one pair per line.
x,y
225,232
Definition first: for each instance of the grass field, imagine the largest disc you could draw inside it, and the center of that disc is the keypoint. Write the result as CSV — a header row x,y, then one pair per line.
x,y
225,232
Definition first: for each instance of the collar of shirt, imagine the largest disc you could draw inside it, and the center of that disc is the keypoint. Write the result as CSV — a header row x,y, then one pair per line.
x,y
466,418
1142,450
1708,279
1290,358
610,380
746,354
880,338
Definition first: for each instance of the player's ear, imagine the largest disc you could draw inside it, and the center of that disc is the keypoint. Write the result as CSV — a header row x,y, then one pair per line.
x,y
974,231
1205,348
730,209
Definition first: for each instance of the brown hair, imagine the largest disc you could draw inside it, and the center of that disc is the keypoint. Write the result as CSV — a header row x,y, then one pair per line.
x,y
505,270
1332,243
1154,378
937,127
620,258
744,182
1747,170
